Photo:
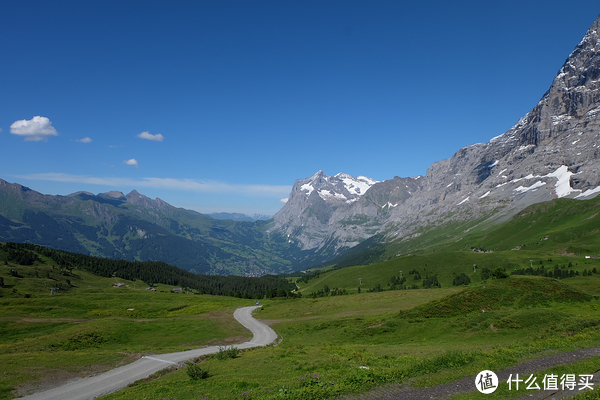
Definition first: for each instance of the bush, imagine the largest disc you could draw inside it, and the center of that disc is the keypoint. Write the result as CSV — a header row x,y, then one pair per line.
x,y
499,273
227,352
461,279
195,372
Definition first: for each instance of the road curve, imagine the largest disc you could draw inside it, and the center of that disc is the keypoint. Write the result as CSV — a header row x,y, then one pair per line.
x,y
118,378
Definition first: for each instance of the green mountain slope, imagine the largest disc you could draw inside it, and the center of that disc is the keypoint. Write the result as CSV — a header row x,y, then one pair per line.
x,y
550,239
135,227
31,269
561,226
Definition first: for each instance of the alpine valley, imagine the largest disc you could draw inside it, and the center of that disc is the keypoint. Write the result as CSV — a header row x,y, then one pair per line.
x,y
552,152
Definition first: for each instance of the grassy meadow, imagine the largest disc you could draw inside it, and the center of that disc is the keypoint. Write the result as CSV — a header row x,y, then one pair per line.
x,y
332,345
92,326
347,344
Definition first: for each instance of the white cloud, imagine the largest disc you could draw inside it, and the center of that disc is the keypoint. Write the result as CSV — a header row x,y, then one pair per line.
x,y
188,185
285,200
36,129
131,161
146,135
84,140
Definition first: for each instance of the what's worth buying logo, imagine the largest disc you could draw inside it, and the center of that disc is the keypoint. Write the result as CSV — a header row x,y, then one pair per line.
x,y
486,382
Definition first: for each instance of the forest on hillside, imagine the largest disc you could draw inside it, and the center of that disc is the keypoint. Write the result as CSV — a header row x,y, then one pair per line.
x,y
151,272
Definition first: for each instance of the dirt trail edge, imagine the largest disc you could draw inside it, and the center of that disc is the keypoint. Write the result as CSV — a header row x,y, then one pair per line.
x,y
116,379
467,384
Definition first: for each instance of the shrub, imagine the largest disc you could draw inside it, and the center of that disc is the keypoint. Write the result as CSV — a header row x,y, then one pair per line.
x,y
227,352
499,273
195,372
461,279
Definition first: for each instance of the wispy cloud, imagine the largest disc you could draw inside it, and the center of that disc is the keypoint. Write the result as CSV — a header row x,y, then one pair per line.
x,y
284,200
189,185
131,161
35,129
84,140
148,136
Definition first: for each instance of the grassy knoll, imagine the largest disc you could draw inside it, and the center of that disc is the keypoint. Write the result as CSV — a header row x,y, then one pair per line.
x,y
91,326
350,343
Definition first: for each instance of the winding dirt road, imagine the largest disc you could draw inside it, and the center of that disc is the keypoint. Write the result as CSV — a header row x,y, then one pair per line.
x,y
116,379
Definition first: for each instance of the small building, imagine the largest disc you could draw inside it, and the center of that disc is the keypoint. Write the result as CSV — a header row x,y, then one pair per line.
x,y
177,289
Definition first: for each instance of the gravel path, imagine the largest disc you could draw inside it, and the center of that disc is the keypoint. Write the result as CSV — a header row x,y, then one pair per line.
x,y
466,385
116,379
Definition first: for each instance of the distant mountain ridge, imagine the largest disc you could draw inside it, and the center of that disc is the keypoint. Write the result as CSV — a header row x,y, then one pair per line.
x,y
136,227
240,216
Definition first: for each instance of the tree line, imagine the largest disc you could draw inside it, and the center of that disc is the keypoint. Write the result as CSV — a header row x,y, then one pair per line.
x,y
153,272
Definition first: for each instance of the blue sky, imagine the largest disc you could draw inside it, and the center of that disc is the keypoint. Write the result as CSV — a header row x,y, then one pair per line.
x,y
248,96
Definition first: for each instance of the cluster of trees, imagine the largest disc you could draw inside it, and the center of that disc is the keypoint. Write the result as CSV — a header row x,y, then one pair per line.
x,y
376,288
153,272
327,291
417,274
590,272
397,283
557,272
18,255
431,282
307,277
461,279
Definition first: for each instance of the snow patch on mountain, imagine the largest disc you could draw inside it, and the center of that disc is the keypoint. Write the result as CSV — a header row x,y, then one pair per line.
x,y
523,189
588,192
308,188
358,185
328,193
563,186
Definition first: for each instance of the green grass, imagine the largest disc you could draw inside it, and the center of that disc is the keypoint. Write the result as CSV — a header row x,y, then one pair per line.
x,y
93,327
428,336
327,340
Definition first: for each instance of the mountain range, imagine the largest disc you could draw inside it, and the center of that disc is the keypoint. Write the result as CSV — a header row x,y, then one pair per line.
x,y
551,152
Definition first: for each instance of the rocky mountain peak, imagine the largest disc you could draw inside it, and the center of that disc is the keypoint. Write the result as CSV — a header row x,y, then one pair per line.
x,y
134,197
334,189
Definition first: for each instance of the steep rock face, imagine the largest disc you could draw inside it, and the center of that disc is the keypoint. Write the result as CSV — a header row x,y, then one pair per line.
x,y
553,151
339,209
